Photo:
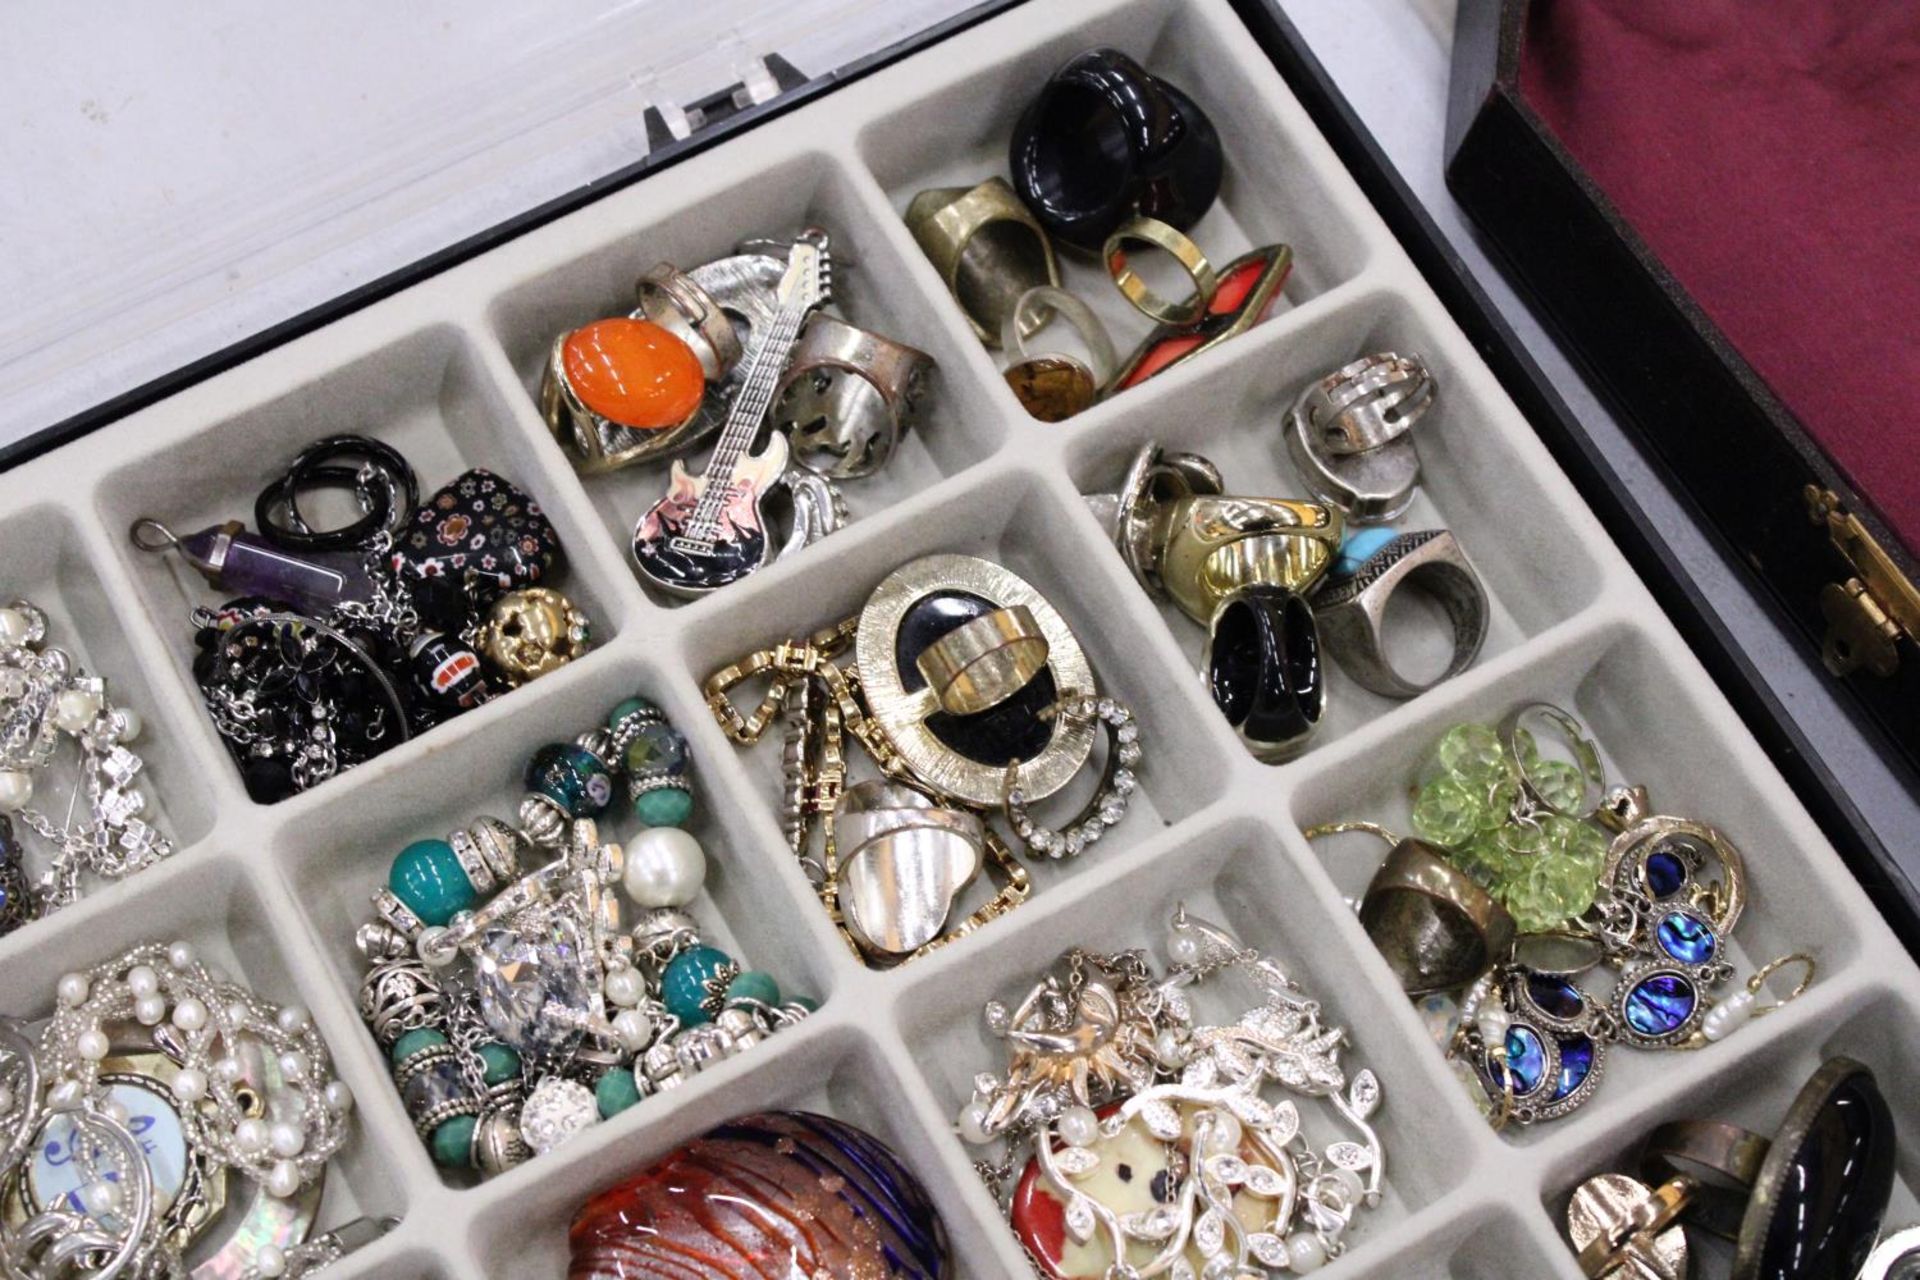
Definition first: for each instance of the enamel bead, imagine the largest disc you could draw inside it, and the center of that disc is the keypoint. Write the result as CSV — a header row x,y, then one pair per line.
x,y
572,777
428,878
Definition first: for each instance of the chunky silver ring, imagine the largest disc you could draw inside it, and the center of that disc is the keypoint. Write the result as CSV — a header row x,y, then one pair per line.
x,y
847,397
1038,306
903,861
1352,608
1348,435
679,304
1154,476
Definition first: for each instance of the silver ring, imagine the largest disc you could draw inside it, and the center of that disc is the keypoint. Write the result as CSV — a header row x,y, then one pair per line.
x,y
1897,1257
1353,609
1033,310
847,397
1348,436
903,862
1155,475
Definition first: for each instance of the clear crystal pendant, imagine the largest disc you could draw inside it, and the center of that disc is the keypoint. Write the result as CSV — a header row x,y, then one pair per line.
x,y
536,985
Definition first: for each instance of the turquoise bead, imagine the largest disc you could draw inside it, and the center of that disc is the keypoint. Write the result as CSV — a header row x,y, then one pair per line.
x,y
616,1092
805,1002
502,1063
1360,547
572,777
628,707
453,1142
428,877
664,807
683,987
416,1041
754,985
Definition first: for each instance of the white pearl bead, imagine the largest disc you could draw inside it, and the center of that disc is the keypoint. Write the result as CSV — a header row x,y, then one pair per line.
x,y
1494,1023
116,1111
180,954
293,1019
286,1139
665,868
66,1095
634,1028
14,627
190,1084
129,723
1305,1252
972,1124
283,1180
73,990
1223,1136
1184,949
1728,1016
626,987
238,1015
151,1010
270,1262
75,709
91,1044
1168,1049
339,1097
142,980
229,1069
250,1135
294,1066
190,1015
1078,1126
100,1198
16,789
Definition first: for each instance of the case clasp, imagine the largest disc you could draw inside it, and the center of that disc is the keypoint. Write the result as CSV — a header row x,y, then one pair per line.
x,y
1872,611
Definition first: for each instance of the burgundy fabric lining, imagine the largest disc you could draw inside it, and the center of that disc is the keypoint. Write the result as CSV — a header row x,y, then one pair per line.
x,y
1768,151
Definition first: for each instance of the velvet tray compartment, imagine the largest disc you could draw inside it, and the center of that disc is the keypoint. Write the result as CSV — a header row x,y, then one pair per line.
x,y
449,368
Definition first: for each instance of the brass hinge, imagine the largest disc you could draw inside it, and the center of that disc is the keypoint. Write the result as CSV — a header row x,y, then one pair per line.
x,y
1871,612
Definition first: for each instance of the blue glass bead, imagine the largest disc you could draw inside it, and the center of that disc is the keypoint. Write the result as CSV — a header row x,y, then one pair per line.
x,y
754,985
428,878
415,1041
1686,937
683,987
657,749
615,1092
1576,1062
1665,873
453,1142
1660,1005
1526,1059
1556,997
572,777
664,806
1359,548
628,707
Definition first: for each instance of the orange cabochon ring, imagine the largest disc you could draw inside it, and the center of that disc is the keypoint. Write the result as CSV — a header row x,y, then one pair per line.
x,y
634,372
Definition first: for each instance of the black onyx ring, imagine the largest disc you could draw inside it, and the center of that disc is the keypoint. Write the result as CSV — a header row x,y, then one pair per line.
x,y
1353,604
1805,1204
1262,666
1105,140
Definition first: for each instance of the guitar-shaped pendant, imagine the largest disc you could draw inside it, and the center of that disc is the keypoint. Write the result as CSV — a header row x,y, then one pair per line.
x,y
711,531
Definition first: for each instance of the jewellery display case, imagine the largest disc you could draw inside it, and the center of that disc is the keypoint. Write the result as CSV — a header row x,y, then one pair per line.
x,y
445,363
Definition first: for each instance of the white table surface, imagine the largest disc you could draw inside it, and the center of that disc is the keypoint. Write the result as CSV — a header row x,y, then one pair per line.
x,y
1391,59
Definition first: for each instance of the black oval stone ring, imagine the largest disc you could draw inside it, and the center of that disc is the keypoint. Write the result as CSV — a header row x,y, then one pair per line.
x,y
1104,140
1263,668
1805,1204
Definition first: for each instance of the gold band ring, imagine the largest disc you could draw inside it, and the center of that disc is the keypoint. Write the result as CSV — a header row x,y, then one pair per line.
x,y
1150,304
980,664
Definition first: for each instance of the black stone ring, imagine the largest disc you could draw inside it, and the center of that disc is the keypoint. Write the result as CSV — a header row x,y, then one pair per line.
x,y
1263,668
1805,1204
1105,140
379,476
